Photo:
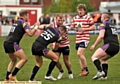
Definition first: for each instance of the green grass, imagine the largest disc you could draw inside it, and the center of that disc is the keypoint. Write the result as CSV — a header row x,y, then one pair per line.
x,y
24,73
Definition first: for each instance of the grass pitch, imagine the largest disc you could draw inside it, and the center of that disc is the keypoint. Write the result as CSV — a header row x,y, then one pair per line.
x,y
25,72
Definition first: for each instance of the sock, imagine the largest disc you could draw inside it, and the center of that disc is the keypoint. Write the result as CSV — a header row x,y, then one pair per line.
x,y
85,68
98,65
61,71
7,74
105,69
70,72
15,71
51,67
35,70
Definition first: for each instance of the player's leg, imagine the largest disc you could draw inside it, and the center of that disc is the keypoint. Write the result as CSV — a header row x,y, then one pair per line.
x,y
81,47
68,66
51,55
66,52
59,66
112,50
104,53
39,61
23,59
10,66
99,53
104,67
83,62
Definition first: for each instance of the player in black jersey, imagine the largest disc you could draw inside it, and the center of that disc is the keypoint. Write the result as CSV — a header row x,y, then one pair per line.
x,y
108,32
11,44
39,49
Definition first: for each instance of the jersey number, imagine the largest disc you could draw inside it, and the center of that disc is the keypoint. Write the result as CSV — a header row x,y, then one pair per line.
x,y
46,35
114,31
12,29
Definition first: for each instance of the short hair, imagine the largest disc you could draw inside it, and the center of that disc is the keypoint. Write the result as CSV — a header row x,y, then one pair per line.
x,y
59,15
106,15
81,6
63,28
23,12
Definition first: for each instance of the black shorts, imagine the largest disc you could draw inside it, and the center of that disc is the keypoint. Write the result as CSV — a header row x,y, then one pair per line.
x,y
111,49
39,49
11,47
82,45
64,50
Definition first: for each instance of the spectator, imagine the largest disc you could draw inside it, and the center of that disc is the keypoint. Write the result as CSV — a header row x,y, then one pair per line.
x,y
47,19
42,19
5,21
52,19
97,17
10,22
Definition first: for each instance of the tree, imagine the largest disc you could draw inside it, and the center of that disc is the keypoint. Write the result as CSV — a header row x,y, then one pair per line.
x,y
68,6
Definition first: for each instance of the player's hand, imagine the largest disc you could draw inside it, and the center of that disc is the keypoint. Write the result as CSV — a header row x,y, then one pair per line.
x,y
37,23
81,30
92,47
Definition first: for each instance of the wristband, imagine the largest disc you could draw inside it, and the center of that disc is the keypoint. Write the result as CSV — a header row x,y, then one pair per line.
x,y
35,27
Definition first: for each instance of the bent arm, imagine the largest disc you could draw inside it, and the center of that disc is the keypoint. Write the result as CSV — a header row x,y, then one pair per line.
x,y
99,38
93,27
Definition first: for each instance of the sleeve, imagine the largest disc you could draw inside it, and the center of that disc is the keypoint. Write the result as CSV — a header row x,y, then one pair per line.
x,y
73,22
102,26
59,40
25,25
91,21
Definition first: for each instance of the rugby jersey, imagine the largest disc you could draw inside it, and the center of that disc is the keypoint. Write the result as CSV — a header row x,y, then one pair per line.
x,y
84,21
65,40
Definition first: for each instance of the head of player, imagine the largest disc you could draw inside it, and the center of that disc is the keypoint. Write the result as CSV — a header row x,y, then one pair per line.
x,y
62,30
105,16
81,8
59,19
24,15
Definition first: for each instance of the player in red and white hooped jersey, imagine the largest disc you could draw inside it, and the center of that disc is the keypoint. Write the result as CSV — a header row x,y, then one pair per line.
x,y
65,42
83,24
64,48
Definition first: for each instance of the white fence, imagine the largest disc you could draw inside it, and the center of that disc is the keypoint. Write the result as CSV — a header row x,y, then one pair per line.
x,y
4,30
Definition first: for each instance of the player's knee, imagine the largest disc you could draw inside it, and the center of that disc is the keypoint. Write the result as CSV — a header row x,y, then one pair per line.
x,y
79,54
93,58
14,60
56,58
25,60
66,61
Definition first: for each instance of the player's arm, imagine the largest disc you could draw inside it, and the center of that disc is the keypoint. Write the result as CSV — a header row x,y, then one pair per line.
x,y
31,31
55,46
42,27
99,39
93,27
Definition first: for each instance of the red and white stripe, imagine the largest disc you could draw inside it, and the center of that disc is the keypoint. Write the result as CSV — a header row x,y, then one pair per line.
x,y
85,21
65,42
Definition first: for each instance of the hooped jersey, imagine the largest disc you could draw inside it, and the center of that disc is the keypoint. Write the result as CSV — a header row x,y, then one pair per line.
x,y
65,40
84,21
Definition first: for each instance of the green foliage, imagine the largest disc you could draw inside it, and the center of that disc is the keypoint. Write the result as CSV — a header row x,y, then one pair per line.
x,y
68,6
